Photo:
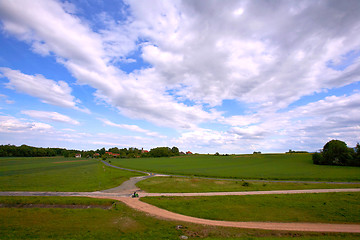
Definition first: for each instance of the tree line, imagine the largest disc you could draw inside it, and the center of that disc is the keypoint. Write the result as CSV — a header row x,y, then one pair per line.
x,y
29,151
336,152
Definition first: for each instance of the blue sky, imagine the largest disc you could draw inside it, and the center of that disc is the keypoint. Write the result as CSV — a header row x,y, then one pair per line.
x,y
219,76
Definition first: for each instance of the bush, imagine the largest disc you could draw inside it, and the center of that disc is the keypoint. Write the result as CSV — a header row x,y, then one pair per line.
x,y
245,184
318,158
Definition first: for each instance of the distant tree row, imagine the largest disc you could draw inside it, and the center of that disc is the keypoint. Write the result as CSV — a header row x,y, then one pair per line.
x,y
292,151
336,152
28,151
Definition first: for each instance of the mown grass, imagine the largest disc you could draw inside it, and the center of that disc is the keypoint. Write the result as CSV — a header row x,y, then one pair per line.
x,y
121,222
321,207
182,185
58,174
17,200
250,166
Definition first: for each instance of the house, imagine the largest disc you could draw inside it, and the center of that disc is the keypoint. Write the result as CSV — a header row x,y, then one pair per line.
x,y
188,153
144,151
78,155
96,154
113,154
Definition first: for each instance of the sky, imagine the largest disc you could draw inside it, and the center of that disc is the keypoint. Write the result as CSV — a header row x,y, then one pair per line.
x,y
205,76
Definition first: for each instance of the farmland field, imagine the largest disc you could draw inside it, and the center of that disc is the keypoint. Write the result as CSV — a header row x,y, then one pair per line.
x,y
58,174
315,207
257,166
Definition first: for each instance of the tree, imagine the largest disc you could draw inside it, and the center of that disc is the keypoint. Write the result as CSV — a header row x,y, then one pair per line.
x,y
175,151
160,152
336,152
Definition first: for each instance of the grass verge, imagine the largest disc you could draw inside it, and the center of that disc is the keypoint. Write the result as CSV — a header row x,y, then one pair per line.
x,y
59,174
121,222
55,200
321,207
182,185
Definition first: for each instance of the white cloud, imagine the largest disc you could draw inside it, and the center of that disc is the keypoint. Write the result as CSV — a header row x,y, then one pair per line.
x,y
264,54
89,56
50,116
306,127
268,57
130,127
10,124
49,91
5,97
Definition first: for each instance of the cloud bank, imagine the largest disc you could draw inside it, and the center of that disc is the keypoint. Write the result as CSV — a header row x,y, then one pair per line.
x,y
193,56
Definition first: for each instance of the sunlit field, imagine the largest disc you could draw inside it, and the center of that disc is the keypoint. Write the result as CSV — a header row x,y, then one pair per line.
x,y
251,166
58,174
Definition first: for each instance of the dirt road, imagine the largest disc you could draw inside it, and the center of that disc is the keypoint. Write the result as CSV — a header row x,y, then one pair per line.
x,y
164,214
308,227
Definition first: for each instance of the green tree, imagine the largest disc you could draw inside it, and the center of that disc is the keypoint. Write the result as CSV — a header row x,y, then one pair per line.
x,y
175,151
336,152
160,152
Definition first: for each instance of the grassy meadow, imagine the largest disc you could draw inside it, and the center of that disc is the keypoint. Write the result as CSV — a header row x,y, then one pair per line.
x,y
182,185
316,207
248,166
120,222
58,174
50,200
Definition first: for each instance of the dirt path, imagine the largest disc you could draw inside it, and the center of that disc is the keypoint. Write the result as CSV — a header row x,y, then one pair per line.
x,y
164,214
308,227
128,186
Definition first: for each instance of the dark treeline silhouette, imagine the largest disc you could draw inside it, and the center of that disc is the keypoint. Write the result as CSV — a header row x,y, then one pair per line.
x,y
28,151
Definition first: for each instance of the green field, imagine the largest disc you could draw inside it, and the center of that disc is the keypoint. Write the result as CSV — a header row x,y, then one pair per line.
x,y
121,222
19,200
254,166
320,207
182,184
58,174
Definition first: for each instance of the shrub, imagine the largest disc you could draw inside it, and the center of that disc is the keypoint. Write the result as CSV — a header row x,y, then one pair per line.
x,y
318,158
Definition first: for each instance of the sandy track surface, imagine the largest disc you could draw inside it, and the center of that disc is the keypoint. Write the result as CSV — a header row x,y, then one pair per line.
x,y
309,227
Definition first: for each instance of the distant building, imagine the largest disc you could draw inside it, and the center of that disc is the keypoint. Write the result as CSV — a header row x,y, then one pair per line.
x,y
78,155
144,151
96,154
188,153
113,154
